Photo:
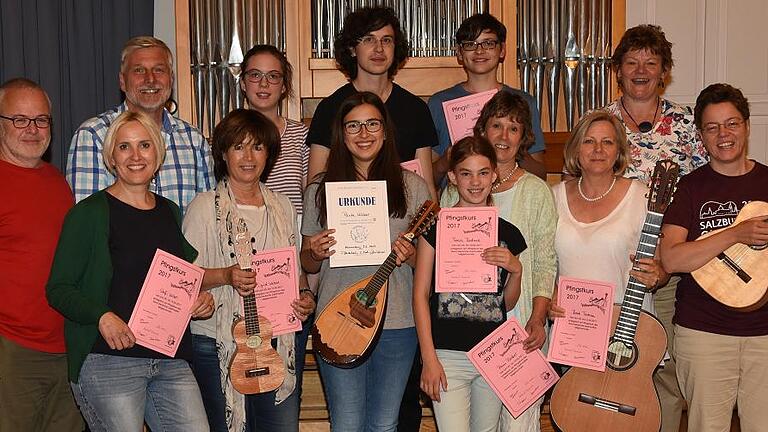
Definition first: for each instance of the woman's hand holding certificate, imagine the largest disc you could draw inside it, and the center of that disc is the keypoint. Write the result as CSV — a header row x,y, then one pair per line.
x,y
580,336
165,304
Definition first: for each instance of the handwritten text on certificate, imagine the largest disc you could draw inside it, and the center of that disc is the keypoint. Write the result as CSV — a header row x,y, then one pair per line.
x,y
164,306
518,378
276,287
463,233
359,213
580,338
462,113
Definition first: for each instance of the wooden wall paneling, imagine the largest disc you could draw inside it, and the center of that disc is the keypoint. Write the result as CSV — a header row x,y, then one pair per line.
x,y
183,63
296,35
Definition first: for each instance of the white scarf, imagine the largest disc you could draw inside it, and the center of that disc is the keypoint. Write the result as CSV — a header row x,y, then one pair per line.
x,y
279,234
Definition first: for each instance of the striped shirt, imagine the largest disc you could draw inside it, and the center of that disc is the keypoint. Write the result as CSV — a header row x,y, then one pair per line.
x,y
290,170
187,169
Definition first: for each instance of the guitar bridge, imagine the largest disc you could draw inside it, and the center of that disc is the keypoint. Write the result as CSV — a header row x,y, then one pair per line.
x,y
731,264
606,404
250,373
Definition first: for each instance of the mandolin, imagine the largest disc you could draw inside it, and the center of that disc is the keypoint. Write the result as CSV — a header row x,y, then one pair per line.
x,y
348,327
623,397
256,367
738,276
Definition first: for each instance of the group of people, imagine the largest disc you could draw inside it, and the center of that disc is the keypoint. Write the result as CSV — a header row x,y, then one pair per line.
x,y
144,180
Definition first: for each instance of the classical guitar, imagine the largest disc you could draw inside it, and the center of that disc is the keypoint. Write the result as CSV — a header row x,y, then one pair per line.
x,y
738,276
348,327
256,367
623,398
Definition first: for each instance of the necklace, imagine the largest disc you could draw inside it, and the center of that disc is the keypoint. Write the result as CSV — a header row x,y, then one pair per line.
x,y
505,179
598,198
645,126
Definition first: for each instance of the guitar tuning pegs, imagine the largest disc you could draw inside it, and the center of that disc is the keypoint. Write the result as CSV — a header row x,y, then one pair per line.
x,y
231,254
253,239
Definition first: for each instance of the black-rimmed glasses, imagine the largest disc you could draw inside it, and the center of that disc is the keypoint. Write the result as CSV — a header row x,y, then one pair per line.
x,y
472,45
21,122
354,127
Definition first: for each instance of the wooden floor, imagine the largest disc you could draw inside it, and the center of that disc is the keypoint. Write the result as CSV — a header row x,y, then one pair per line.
x,y
314,415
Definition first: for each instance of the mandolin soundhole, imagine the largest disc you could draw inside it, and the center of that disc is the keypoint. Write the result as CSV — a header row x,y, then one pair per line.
x,y
621,356
362,297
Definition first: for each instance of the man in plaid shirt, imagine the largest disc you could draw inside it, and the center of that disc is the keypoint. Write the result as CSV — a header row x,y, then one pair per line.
x,y
146,78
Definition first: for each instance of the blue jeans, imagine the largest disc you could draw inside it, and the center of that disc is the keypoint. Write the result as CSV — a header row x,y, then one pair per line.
x,y
121,393
205,365
260,410
367,397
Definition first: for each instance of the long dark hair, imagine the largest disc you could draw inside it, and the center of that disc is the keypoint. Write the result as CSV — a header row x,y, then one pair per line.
x,y
386,165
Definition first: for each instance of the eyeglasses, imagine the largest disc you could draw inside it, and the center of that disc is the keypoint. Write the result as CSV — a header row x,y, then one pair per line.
x,y
472,45
354,127
21,122
371,40
255,76
714,128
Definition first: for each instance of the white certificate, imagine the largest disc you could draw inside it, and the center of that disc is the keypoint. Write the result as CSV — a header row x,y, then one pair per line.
x,y
359,213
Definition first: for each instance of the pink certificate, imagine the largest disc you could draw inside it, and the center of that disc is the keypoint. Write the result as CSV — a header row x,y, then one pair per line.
x,y
463,233
277,285
462,113
164,306
518,378
413,166
581,337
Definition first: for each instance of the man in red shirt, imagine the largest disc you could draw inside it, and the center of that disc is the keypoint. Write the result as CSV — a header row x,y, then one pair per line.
x,y
34,390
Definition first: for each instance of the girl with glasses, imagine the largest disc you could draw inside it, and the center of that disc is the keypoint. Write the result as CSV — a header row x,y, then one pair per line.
x,y
367,396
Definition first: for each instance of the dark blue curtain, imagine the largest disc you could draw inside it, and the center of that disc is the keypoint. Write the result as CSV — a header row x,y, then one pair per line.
x,y
72,48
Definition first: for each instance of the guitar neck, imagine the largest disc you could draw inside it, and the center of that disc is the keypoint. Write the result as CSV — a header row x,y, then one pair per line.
x,y
632,305
251,315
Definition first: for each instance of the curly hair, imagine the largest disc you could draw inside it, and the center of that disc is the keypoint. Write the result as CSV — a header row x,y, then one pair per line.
x,y
239,126
719,93
358,24
285,65
514,107
644,37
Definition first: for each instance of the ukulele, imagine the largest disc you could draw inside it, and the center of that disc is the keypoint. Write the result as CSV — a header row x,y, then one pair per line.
x,y
347,328
738,276
256,367
623,397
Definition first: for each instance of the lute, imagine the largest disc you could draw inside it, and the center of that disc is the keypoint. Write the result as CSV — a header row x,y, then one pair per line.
x,y
348,327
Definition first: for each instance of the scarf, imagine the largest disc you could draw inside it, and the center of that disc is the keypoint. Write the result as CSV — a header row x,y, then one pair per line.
x,y
280,233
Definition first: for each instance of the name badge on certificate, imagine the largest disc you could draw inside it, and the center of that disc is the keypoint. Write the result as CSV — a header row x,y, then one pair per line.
x,y
580,338
462,113
277,285
164,306
359,213
463,233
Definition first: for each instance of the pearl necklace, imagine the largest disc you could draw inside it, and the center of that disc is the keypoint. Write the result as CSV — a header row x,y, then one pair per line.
x,y
506,178
598,198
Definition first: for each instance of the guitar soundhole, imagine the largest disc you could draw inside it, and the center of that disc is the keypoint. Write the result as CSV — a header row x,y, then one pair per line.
x,y
621,356
362,297
253,341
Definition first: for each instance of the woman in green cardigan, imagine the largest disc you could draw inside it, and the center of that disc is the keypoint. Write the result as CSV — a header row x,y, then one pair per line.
x,y
106,246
